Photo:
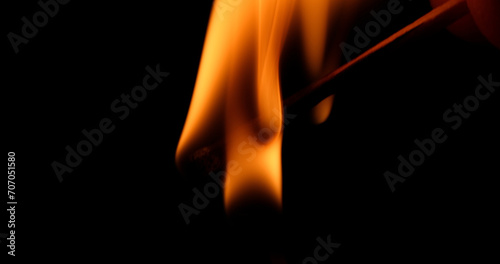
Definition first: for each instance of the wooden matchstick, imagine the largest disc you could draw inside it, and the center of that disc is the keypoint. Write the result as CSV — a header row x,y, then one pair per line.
x,y
435,20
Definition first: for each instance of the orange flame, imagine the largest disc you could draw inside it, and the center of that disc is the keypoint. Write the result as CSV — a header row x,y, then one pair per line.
x,y
238,80
237,92
314,17
253,117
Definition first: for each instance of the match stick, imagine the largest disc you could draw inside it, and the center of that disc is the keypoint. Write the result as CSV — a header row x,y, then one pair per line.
x,y
435,20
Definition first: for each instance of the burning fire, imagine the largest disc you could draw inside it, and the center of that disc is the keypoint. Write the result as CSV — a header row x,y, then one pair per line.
x,y
314,19
238,82
237,94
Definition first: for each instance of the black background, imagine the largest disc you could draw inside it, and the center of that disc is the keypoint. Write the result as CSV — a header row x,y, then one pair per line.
x,y
122,201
